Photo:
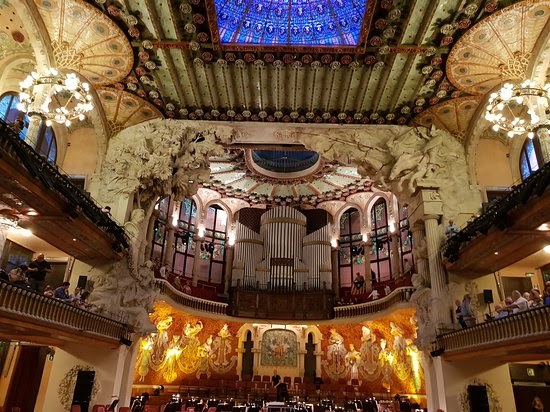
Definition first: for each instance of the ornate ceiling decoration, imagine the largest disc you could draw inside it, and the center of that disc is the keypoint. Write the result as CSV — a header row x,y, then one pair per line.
x,y
453,115
124,109
13,36
498,48
232,176
396,70
86,40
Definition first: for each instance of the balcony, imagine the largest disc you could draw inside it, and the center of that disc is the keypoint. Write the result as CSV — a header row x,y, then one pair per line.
x,y
398,296
188,301
29,316
508,231
519,337
66,217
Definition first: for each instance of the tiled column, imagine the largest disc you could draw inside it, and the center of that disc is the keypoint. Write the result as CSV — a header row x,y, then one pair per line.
x,y
438,279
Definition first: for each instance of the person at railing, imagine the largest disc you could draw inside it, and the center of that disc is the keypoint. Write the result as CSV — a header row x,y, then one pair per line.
x,y
501,310
358,285
38,269
62,292
407,267
81,302
18,276
537,405
546,296
4,275
451,229
467,312
519,303
535,300
48,291
458,313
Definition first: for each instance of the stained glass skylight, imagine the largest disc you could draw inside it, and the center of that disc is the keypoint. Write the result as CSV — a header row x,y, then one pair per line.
x,y
290,22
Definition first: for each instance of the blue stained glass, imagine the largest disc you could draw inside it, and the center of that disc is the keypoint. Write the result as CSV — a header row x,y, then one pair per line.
x,y
290,22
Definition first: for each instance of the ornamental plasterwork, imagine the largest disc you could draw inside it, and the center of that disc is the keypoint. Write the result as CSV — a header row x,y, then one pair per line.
x,y
9,47
453,115
123,109
67,385
86,40
497,46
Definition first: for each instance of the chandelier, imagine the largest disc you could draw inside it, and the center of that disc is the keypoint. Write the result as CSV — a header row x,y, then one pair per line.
x,y
70,97
518,108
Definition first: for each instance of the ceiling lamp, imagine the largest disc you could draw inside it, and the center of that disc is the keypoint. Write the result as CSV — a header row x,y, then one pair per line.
x,y
70,97
518,108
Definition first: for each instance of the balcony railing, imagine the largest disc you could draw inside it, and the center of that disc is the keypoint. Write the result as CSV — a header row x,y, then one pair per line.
x,y
399,295
36,307
518,327
189,301
497,215
39,167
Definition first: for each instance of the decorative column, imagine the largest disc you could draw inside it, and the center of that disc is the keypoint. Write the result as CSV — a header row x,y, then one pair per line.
x,y
197,259
228,267
394,256
419,252
3,236
438,280
335,273
31,138
170,246
368,278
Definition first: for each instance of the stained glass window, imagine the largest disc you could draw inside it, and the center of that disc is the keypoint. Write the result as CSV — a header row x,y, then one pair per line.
x,y
351,256
531,158
290,22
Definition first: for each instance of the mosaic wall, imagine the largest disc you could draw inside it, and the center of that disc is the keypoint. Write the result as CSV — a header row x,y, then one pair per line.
x,y
379,354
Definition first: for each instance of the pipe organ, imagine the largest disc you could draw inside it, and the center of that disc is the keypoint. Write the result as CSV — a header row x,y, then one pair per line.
x,y
282,249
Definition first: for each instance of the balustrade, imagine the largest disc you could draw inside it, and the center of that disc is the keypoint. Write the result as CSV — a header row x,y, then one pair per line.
x,y
189,301
34,306
399,295
531,323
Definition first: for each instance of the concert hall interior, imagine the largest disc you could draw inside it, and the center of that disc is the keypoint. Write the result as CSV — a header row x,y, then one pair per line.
x,y
285,206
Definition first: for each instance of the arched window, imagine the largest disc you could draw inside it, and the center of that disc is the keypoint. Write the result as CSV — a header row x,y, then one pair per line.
x,y
405,240
212,253
531,158
45,143
351,258
184,254
159,229
380,261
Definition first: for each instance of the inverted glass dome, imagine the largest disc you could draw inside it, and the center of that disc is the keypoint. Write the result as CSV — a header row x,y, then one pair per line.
x,y
290,22
285,161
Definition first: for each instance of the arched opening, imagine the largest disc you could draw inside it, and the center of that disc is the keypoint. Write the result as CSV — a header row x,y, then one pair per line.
x,y
184,251
351,256
380,261
45,142
212,249
531,158
248,358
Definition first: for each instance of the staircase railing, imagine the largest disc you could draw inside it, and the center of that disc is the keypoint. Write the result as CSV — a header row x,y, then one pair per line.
x,y
78,201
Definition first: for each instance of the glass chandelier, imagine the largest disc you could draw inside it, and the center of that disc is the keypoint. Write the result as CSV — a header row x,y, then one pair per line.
x,y
70,97
519,108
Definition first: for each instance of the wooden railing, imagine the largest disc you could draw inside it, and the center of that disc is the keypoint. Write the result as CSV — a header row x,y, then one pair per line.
x,y
399,295
33,306
516,327
189,301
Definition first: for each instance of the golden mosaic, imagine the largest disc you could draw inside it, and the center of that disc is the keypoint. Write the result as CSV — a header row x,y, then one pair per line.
x,y
453,115
123,109
497,48
87,41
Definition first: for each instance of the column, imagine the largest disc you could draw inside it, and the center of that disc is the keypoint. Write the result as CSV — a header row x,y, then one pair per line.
x,y
31,138
395,258
335,273
437,275
420,252
229,254
197,259
170,246
3,237
368,278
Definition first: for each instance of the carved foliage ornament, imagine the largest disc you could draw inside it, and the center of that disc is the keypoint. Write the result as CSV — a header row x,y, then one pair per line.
x,y
66,386
464,397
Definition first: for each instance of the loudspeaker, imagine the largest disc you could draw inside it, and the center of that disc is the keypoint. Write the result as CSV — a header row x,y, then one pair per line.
x,y
82,281
479,400
83,389
487,296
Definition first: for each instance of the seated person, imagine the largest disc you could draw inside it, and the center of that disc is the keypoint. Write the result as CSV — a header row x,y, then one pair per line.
x,y
501,313
519,303
48,291
535,299
18,275
81,302
62,292
358,285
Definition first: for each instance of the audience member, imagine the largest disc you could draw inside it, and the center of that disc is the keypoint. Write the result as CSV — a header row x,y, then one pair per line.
x,y
48,291
535,300
81,302
458,312
62,292
4,275
358,285
106,210
77,292
451,229
547,293
38,269
407,267
527,296
18,275
501,313
467,311
519,303
187,288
